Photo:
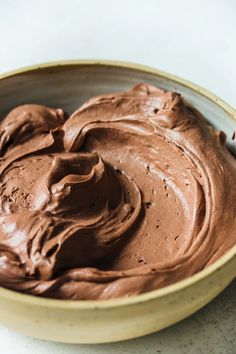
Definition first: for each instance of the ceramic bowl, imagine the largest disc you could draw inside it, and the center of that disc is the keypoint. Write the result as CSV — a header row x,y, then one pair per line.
x,y
67,85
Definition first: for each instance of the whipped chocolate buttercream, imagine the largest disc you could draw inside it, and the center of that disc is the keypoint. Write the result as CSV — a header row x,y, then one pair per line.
x,y
133,192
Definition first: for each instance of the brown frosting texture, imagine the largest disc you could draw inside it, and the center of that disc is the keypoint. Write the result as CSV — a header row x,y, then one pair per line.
x,y
134,191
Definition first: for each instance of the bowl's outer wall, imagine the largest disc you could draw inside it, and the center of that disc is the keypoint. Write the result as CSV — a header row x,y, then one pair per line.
x,y
102,325
68,87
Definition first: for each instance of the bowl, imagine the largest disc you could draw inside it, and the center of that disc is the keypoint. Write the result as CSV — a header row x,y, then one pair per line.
x,y
67,85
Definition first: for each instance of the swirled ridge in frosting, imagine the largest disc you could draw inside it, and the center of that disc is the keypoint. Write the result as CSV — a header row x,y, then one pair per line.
x,y
134,191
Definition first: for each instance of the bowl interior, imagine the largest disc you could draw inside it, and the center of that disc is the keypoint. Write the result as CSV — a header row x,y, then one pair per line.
x,y
69,85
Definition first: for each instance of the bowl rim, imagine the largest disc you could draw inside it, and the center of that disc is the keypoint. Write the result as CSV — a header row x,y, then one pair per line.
x,y
230,255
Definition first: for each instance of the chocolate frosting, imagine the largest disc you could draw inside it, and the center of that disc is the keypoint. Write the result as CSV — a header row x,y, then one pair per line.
x,y
134,191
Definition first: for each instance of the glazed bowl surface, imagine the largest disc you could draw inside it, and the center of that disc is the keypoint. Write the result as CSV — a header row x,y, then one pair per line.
x,y
68,85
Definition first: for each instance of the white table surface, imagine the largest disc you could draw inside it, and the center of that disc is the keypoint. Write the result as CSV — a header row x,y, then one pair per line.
x,y
192,39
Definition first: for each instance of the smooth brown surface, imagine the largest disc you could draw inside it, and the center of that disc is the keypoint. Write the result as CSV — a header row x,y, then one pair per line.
x,y
133,192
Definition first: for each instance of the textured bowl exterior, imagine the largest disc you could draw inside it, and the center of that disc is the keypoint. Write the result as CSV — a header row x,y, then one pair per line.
x,y
67,85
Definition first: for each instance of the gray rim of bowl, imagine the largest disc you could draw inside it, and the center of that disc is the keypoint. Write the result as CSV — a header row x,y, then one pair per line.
x,y
154,294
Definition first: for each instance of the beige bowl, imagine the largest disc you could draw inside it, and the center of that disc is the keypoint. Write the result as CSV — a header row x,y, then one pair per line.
x,y
67,85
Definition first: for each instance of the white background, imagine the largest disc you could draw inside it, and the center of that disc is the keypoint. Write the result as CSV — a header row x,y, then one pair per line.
x,y
192,39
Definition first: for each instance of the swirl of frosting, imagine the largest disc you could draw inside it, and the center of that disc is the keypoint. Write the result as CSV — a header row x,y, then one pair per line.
x,y
27,121
126,195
